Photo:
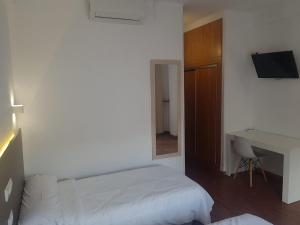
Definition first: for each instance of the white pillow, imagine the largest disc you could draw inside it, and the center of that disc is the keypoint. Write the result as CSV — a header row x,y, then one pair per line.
x,y
40,204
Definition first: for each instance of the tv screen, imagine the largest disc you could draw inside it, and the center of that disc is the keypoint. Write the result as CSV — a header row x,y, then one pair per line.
x,y
276,65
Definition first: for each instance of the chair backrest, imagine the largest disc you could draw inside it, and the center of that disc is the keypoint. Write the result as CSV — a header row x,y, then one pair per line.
x,y
243,147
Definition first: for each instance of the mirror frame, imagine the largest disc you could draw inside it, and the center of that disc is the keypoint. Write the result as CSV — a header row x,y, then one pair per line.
x,y
178,63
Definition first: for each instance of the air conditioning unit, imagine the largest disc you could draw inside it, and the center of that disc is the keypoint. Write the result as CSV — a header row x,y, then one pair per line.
x,y
121,11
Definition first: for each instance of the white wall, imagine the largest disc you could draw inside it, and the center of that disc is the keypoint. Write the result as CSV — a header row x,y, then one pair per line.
x,y
277,107
201,22
5,77
86,86
277,102
238,44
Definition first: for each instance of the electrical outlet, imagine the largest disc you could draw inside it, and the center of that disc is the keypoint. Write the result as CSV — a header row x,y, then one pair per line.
x,y
10,220
8,189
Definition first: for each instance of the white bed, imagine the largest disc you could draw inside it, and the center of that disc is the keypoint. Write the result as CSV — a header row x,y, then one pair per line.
x,y
147,196
245,219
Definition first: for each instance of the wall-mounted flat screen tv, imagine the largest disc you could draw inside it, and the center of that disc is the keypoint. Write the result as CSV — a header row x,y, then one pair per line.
x,y
275,65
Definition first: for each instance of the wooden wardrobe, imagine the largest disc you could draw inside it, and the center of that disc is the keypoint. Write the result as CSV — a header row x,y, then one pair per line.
x,y
203,91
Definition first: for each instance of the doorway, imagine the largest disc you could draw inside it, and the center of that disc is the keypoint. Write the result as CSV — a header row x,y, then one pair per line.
x,y
203,97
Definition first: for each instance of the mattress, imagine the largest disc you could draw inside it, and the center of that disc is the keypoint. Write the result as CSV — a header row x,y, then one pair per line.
x,y
147,196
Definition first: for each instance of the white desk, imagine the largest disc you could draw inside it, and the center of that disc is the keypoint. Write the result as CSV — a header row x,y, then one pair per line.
x,y
287,146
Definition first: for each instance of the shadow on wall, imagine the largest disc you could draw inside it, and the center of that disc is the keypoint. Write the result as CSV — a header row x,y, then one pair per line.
x,y
6,118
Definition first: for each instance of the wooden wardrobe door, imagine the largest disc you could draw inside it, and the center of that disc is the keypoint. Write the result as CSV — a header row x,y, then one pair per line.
x,y
207,117
203,45
189,95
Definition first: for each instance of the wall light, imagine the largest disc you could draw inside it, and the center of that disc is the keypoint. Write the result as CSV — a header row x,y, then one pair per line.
x,y
12,98
14,120
18,108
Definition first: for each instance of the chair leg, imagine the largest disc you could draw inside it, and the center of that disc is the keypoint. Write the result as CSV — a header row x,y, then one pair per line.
x,y
251,172
237,168
262,170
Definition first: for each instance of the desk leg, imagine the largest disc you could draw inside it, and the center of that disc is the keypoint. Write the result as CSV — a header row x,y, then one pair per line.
x,y
291,177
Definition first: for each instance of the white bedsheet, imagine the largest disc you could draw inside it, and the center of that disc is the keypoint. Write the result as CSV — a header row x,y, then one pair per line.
x,y
148,196
246,219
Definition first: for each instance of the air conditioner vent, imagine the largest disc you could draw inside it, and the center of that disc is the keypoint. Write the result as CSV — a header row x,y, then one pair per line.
x,y
123,11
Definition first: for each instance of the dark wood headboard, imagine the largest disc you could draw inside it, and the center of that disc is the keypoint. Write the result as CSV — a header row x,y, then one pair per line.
x,y
12,166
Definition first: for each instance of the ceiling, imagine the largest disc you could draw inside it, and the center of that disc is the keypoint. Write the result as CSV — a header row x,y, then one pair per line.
x,y
197,9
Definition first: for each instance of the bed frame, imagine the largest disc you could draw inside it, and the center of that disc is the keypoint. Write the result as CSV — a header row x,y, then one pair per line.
x,y
12,166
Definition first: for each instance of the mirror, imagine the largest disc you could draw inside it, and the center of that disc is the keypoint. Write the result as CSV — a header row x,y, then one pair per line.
x,y
166,105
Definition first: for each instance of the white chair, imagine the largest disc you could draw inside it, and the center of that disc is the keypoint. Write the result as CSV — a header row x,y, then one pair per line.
x,y
248,156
